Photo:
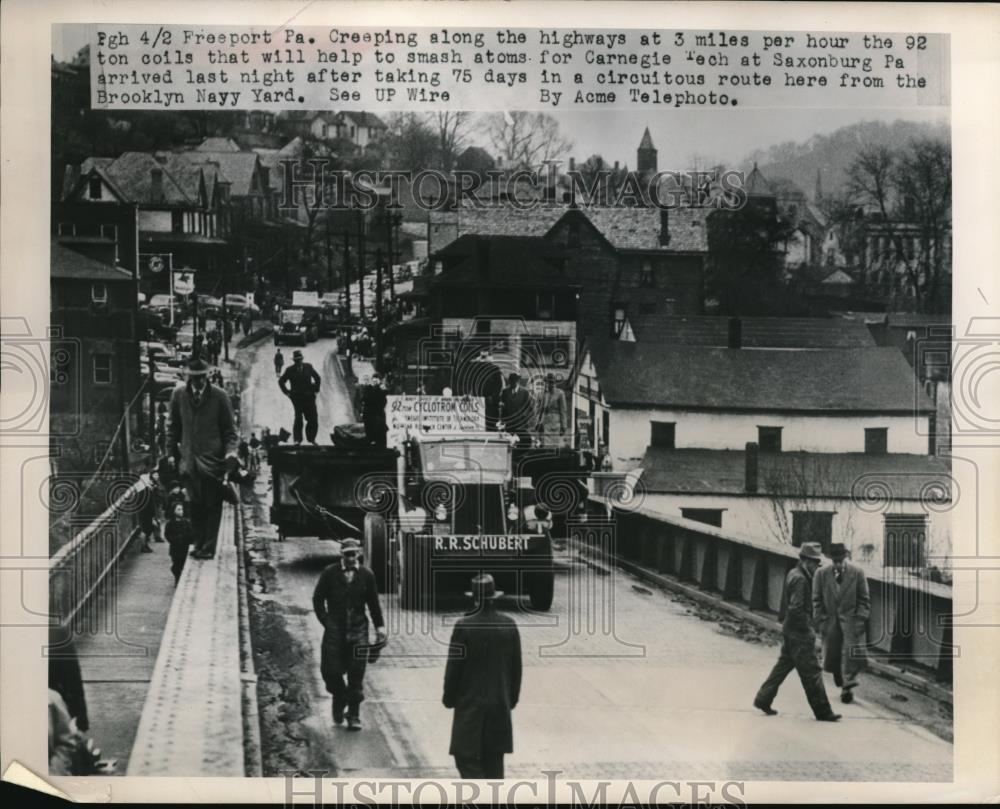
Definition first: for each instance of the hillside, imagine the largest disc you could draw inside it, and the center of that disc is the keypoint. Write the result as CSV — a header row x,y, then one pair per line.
x,y
833,153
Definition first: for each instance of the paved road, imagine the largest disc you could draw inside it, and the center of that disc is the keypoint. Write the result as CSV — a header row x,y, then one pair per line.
x,y
620,680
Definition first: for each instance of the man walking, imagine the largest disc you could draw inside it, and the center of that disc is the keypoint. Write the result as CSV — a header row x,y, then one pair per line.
x,y
279,362
517,409
482,682
798,645
344,590
841,606
203,436
373,404
552,418
300,383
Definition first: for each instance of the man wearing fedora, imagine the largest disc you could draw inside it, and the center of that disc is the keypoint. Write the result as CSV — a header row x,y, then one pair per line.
x,y
300,383
482,682
552,418
517,409
344,592
798,645
203,438
841,606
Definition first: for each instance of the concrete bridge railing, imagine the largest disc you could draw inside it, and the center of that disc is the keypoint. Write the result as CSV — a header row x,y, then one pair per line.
x,y
910,620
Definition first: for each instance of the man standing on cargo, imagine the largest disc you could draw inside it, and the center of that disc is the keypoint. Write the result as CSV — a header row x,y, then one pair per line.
x,y
841,605
482,682
300,383
798,645
517,409
344,591
203,437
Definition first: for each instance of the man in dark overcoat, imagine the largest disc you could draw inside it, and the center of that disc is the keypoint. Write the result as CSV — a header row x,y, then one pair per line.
x,y
203,437
841,606
798,645
344,592
482,682
517,409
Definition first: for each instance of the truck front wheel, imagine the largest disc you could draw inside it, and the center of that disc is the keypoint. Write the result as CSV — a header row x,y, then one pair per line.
x,y
541,587
414,573
376,550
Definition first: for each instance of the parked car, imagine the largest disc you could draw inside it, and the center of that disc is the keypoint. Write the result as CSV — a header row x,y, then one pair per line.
x,y
209,305
240,303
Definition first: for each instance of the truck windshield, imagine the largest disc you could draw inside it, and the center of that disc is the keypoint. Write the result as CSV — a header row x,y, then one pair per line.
x,y
461,462
292,316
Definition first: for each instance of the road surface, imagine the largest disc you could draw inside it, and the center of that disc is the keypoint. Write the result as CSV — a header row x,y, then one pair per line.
x,y
621,680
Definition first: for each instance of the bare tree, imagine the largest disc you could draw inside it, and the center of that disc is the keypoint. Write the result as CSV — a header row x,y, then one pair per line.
x,y
526,139
452,131
411,143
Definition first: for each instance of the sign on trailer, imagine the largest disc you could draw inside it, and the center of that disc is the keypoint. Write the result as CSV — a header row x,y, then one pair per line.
x,y
433,414
303,298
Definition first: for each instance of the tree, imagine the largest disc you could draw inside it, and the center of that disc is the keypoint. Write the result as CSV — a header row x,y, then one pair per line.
x,y
526,139
410,144
452,130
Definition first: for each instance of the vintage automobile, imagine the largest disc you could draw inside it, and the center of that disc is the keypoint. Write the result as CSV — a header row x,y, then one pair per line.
x,y
294,328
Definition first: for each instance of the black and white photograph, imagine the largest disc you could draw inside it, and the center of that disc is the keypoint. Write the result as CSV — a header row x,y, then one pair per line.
x,y
446,403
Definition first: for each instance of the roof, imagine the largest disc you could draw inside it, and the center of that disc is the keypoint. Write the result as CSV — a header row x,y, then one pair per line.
x,y
236,167
704,377
130,176
797,474
647,140
755,332
368,119
217,145
756,185
506,260
66,263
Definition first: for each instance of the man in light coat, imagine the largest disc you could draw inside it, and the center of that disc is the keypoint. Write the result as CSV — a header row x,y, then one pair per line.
x,y
482,682
841,606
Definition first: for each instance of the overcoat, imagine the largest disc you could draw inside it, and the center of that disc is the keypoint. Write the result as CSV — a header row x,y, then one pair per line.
x,y
482,682
340,606
841,613
202,434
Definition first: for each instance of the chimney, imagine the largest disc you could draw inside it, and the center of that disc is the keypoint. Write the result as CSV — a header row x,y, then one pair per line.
x,y
664,227
616,167
572,164
751,468
735,333
156,184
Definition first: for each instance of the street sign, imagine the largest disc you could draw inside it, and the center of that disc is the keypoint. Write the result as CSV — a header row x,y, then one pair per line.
x,y
303,298
183,282
433,414
156,264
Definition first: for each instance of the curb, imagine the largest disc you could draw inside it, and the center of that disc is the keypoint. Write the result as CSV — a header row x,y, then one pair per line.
x,y
877,667
252,755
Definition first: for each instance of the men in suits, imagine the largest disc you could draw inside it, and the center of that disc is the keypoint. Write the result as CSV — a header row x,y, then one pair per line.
x,y
841,606
482,682
344,591
300,383
373,404
798,645
517,409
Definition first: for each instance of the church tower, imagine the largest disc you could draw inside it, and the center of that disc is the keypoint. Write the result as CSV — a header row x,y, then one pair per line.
x,y
646,155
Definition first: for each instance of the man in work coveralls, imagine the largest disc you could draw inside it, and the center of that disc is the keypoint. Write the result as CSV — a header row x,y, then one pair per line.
x,y
798,645
841,605
344,591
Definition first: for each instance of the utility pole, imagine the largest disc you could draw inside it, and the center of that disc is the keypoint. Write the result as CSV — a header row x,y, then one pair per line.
x,y
347,272
361,265
378,311
329,258
225,314
390,248
151,383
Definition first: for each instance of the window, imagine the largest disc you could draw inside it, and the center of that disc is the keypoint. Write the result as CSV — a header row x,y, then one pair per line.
x,y
102,369
905,540
177,221
99,293
769,439
662,434
812,526
709,516
619,321
876,440
646,273
545,305
109,232
94,188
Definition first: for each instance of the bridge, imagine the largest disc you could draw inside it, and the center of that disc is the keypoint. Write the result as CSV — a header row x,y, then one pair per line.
x,y
661,631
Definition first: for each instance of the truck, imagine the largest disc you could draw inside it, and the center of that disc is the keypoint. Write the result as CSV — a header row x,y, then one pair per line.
x,y
432,510
295,328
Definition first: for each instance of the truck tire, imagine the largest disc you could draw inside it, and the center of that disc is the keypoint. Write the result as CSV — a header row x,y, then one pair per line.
x,y
376,550
541,587
414,574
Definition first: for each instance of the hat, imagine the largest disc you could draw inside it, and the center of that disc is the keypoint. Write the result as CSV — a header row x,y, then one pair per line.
x,y
838,551
550,377
296,354
512,378
484,588
811,550
350,546
197,367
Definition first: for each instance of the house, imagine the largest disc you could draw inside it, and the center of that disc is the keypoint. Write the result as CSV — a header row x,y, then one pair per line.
x,y
96,371
637,394
315,124
475,158
509,297
363,129
891,511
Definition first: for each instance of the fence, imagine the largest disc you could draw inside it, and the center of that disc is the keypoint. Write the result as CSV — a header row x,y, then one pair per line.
x,y
910,617
80,568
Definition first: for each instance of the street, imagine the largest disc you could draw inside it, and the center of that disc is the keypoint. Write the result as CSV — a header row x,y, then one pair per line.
x,y
621,679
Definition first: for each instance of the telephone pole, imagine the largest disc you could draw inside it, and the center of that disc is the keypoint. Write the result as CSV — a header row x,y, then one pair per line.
x,y
347,272
378,311
361,265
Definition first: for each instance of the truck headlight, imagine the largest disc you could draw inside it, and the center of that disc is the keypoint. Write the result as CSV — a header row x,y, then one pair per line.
x,y
513,512
440,513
